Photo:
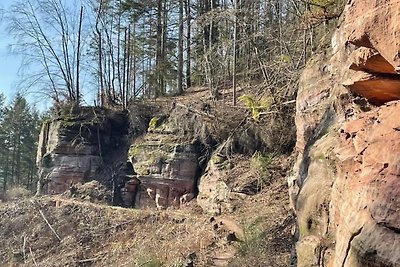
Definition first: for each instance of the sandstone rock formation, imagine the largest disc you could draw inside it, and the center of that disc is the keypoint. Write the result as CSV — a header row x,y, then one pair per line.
x,y
163,160
345,185
74,148
214,194
165,164
373,27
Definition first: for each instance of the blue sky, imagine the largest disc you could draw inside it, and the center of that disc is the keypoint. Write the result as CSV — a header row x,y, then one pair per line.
x,y
9,63
11,77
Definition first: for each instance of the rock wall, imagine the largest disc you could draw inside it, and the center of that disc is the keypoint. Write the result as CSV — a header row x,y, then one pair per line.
x,y
345,186
75,147
143,162
165,162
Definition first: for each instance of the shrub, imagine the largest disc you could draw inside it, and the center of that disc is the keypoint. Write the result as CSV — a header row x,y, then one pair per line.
x,y
260,165
16,193
255,106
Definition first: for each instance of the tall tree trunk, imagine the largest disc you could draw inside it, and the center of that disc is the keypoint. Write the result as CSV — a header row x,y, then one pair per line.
x,y
127,63
234,51
6,170
180,50
101,93
159,47
188,44
118,67
164,46
134,68
125,58
78,57
18,166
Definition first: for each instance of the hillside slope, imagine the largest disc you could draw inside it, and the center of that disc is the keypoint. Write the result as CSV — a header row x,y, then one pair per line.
x,y
145,161
59,231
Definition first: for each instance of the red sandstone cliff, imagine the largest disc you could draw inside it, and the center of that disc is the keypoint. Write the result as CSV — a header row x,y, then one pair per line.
x,y
345,186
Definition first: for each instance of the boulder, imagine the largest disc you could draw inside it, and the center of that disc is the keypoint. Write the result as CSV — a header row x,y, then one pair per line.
x,y
215,196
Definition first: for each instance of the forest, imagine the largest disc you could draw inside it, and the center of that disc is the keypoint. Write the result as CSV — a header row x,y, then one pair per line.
x,y
109,53
190,133
19,130
119,50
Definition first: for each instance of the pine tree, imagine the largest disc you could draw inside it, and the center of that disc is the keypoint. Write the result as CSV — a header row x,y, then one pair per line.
x,y
19,129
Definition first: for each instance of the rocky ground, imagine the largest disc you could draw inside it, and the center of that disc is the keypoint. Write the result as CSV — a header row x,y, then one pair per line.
x,y
78,230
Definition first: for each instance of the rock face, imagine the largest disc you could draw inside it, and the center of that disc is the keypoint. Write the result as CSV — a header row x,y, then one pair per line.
x,y
214,192
162,162
373,27
367,203
74,148
165,162
345,186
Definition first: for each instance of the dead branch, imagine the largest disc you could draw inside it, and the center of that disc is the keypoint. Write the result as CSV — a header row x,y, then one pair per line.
x,y
196,111
33,258
51,227
88,260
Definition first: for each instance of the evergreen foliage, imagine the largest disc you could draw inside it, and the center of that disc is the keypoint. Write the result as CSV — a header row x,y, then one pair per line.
x,y
19,130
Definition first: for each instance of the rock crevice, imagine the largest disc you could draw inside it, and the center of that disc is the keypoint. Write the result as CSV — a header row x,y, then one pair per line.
x,y
347,176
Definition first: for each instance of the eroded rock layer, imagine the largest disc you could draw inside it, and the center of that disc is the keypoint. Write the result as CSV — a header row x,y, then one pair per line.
x,y
162,160
165,161
345,184
373,27
75,147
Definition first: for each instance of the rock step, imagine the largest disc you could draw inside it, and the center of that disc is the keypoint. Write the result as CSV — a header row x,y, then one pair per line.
x,y
223,257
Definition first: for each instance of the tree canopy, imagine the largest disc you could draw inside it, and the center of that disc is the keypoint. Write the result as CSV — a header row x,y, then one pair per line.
x,y
121,50
19,131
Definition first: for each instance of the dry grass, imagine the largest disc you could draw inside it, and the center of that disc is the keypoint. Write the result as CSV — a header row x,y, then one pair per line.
x,y
16,193
99,235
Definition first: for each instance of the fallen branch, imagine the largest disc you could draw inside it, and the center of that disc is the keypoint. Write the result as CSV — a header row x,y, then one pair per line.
x,y
289,102
51,227
23,247
196,111
33,258
117,225
144,263
88,260
96,258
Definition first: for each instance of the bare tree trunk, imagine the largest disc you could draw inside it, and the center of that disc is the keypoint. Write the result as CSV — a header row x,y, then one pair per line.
x,y
128,66
164,46
100,58
234,52
159,47
133,59
180,50
188,44
125,58
119,78
78,56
